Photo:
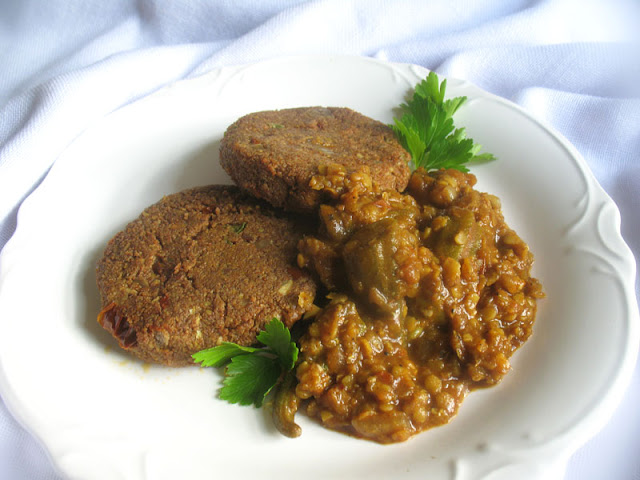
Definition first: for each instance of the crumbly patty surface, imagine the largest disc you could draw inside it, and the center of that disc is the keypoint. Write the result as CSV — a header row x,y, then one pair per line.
x,y
274,154
199,267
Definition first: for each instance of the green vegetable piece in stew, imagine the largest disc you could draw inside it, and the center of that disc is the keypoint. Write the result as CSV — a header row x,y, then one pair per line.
x,y
459,238
371,266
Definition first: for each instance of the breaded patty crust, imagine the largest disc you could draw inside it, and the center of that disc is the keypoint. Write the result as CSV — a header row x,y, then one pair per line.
x,y
200,267
274,154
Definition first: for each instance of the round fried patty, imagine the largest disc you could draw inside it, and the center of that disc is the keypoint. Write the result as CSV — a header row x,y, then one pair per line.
x,y
274,154
200,267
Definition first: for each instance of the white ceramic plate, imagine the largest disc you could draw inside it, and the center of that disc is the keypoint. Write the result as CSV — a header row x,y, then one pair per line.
x,y
103,415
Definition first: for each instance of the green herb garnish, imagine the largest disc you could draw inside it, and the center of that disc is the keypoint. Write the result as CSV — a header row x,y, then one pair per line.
x,y
252,372
427,131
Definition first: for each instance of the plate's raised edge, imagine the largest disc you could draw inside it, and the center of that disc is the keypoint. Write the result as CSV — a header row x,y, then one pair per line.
x,y
14,407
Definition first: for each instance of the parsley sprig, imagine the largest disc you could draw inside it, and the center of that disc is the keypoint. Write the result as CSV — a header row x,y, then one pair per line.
x,y
252,372
426,129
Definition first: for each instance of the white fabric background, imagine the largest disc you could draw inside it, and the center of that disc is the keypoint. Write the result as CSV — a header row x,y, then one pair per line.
x,y
573,63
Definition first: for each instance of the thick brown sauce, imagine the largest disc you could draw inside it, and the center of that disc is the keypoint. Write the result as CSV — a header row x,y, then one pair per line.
x,y
435,296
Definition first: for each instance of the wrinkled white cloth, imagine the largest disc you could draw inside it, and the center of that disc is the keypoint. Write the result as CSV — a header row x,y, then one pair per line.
x,y
573,63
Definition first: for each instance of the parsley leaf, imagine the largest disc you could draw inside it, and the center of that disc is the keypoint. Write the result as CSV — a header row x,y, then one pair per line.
x,y
426,129
249,378
278,337
252,372
218,356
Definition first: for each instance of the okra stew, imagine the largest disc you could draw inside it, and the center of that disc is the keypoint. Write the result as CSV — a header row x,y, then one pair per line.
x,y
431,294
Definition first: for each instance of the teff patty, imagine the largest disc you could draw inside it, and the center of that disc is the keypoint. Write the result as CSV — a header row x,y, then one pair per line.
x,y
199,267
274,154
